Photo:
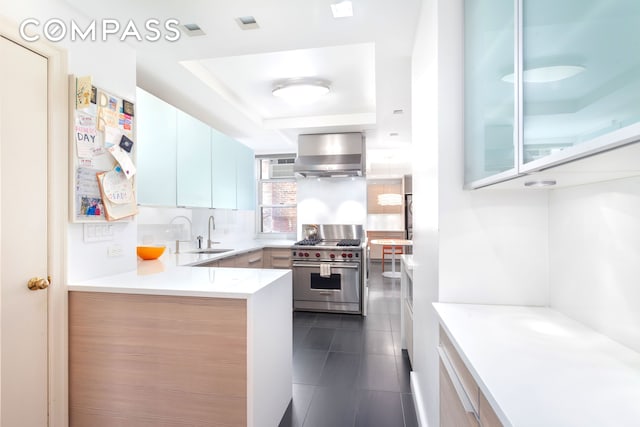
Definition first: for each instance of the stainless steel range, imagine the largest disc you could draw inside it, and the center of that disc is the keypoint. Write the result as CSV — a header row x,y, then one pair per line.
x,y
328,269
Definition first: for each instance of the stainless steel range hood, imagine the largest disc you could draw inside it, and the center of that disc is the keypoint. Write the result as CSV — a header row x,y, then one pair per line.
x,y
331,155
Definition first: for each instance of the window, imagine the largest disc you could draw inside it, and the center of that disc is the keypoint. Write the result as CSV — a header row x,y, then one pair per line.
x,y
277,195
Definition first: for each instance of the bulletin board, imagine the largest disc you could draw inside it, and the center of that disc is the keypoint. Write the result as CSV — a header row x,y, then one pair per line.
x,y
102,152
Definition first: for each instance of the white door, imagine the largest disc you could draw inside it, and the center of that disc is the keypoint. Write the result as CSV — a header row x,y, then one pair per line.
x,y
23,229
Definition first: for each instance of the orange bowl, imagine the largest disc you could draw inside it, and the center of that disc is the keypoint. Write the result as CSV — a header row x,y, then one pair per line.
x,y
150,252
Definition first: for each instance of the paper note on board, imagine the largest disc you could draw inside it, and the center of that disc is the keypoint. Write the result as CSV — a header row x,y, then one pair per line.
x,y
123,159
107,111
117,188
112,136
83,92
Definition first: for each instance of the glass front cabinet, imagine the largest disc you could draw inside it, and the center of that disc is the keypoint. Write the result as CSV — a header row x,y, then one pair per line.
x,y
547,83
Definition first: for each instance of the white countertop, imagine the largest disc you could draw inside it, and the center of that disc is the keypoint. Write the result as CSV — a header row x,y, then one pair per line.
x,y
538,367
175,274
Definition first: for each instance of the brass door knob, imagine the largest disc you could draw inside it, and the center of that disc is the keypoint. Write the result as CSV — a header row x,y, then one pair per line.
x,y
37,283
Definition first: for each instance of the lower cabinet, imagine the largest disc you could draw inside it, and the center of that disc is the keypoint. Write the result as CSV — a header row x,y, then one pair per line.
x,y
462,403
277,258
251,259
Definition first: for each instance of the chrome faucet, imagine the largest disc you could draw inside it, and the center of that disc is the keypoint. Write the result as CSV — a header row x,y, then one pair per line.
x,y
210,226
177,250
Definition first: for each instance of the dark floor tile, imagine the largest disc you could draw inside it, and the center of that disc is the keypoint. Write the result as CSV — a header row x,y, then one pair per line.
x,y
403,366
318,338
377,305
332,407
301,318
409,410
378,322
352,321
379,409
299,333
378,372
307,366
340,370
297,410
378,342
347,340
394,320
328,320
393,306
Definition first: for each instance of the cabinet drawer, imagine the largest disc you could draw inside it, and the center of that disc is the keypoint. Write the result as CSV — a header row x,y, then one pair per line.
x,y
452,412
280,258
488,417
227,262
468,383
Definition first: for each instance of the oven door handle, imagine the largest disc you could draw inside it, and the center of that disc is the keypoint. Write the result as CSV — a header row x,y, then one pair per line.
x,y
336,265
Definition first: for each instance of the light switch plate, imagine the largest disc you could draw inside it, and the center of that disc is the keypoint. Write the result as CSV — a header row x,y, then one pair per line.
x,y
114,251
97,232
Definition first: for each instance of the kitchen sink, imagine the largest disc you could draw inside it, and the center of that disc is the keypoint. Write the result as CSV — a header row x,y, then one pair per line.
x,y
210,251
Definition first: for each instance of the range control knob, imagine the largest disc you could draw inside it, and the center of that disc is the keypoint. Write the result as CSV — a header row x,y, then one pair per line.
x,y
306,254
317,254
332,256
344,255
350,255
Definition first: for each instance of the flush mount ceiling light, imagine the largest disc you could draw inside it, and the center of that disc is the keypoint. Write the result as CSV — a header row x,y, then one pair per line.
x,y
301,91
343,9
547,74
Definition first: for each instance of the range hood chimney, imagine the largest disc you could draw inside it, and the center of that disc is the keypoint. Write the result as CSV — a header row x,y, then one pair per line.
x,y
331,155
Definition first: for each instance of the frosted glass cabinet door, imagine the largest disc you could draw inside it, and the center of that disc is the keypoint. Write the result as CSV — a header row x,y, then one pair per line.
x,y
194,162
223,173
581,61
246,178
156,150
489,91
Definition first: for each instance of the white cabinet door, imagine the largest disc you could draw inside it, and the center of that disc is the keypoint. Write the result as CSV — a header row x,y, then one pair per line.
x,y
194,162
223,173
245,178
23,229
156,150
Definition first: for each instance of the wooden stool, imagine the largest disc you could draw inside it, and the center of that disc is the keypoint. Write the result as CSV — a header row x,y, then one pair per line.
x,y
388,250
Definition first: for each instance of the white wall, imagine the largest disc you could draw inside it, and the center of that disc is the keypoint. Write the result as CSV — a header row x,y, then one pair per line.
x,y
165,225
487,247
113,67
332,201
594,252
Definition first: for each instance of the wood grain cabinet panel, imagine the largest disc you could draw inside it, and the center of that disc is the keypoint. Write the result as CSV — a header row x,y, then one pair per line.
x,y
452,413
488,417
143,360
277,258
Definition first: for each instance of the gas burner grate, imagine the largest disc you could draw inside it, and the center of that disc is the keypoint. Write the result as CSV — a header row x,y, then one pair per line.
x,y
308,242
349,242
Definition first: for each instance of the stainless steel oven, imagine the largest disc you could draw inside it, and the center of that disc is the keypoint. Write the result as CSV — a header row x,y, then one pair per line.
x,y
328,269
339,290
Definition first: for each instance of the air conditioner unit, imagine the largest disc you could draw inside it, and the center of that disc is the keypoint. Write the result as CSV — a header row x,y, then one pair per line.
x,y
284,170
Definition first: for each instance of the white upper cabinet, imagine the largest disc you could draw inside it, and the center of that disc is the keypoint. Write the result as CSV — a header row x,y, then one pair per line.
x,y
194,162
223,168
184,162
245,178
156,150
555,84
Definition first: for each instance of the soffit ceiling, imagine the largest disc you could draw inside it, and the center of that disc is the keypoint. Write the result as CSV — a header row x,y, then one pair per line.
x,y
225,77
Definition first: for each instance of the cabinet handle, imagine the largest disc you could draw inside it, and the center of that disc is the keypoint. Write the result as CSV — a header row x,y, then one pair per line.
x,y
280,257
462,394
253,261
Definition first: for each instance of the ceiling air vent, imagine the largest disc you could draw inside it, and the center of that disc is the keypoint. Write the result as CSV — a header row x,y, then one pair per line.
x,y
192,30
247,22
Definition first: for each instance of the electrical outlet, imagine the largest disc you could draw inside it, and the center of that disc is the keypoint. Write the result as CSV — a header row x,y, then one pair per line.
x,y
114,251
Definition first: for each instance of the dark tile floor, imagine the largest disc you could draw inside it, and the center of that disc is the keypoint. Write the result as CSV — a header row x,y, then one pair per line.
x,y
350,370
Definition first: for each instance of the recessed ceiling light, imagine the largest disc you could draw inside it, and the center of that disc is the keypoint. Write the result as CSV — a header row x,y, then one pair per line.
x,y
540,183
301,91
400,111
547,74
394,134
343,9
247,22
193,30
